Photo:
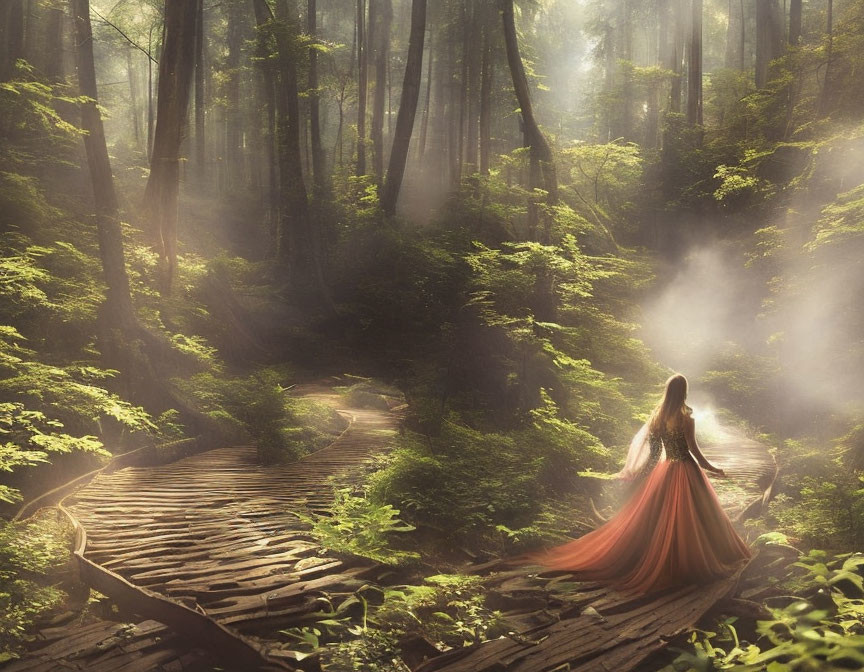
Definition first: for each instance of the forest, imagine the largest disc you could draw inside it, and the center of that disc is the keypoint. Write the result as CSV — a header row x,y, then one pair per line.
x,y
313,314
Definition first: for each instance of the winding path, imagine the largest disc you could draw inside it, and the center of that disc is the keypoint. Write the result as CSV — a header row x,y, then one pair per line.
x,y
208,545
586,627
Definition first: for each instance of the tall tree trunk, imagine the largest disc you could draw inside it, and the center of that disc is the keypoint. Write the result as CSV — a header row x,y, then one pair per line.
x,y
624,51
487,73
294,244
362,85
675,55
464,85
11,37
321,184
384,19
769,38
118,301
407,108
452,120
133,99
542,161
437,164
475,59
424,123
176,68
151,115
609,75
263,19
795,9
694,66
200,137
233,163
825,94
298,245
54,56
733,30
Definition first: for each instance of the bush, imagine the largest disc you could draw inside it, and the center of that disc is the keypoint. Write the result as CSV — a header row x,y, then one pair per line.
x,y
283,428
29,553
461,481
359,526
822,501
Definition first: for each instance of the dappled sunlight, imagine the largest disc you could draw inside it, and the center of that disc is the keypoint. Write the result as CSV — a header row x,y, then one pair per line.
x,y
318,318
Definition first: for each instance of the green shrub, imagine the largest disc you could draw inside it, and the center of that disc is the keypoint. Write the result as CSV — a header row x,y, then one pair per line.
x,y
821,632
51,409
359,526
282,427
460,481
29,553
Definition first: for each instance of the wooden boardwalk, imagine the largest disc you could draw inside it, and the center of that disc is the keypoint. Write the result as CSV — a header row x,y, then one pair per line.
x,y
750,472
108,646
586,627
209,546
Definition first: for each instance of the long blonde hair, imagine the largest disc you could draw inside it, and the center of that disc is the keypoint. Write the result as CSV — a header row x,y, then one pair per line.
x,y
671,410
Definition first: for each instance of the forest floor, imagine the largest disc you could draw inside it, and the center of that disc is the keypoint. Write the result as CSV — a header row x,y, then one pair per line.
x,y
177,537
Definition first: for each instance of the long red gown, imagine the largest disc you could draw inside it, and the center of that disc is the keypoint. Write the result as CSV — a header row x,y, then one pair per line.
x,y
672,531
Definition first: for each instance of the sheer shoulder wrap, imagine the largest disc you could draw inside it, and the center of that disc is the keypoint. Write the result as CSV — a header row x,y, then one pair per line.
x,y
637,455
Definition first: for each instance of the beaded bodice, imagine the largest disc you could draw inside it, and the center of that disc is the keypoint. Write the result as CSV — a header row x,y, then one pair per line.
x,y
674,441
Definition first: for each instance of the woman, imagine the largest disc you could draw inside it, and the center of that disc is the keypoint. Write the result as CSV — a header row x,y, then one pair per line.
x,y
673,530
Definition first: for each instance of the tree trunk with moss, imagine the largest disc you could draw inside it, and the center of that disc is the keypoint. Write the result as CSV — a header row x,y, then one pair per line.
x,y
407,108
176,68
542,170
109,233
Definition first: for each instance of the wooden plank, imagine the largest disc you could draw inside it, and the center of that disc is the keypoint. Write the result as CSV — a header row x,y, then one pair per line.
x,y
618,633
213,533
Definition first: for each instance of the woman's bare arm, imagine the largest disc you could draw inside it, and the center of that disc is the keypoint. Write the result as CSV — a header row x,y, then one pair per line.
x,y
690,433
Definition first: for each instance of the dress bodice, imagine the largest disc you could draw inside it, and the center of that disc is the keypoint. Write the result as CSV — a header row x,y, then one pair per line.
x,y
674,441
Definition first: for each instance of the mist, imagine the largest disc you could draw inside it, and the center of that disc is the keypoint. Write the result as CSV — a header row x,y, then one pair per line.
x,y
801,326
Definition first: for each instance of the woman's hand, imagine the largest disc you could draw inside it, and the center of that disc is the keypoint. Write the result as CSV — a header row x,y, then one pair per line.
x,y
715,470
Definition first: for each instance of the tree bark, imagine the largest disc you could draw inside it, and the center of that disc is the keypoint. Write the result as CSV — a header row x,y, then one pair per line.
x,y
769,38
263,19
200,137
151,115
451,117
475,58
321,185
487,74
675,56
407,108
694,66
233,163
54,56
732,59
384,20
795,10
463,87
825,94
362,84
176,68
624,51
542,161
293,240
298,243
12,42
424,123
133,99
109,233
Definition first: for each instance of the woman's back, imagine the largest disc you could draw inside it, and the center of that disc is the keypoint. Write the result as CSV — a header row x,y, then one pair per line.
x,y
674,440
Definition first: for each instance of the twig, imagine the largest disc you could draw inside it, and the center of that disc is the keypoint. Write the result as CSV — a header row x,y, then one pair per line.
x,y
144,51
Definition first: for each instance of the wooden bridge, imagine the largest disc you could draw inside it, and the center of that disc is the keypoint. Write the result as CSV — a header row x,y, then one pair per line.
x,y
208,551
